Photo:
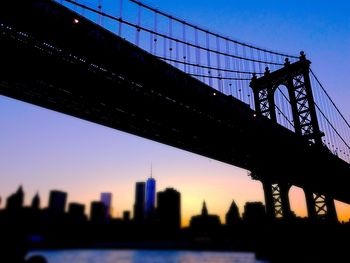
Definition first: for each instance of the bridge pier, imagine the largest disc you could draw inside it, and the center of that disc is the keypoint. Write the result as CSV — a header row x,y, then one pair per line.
x,y
277,200
320,207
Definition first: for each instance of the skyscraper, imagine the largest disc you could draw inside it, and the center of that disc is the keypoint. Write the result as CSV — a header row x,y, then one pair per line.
x,y
150,198
98,212
254,212
205,221
36,202
106,199
57,202
76,213
126,216
139,205
232,215
15,201
169,209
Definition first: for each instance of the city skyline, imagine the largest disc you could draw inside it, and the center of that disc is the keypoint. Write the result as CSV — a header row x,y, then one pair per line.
x,y
58,200
166,214
167,206
52,147
59,203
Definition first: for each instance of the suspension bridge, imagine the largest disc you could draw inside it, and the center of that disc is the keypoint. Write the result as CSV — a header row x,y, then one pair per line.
x,y
149,73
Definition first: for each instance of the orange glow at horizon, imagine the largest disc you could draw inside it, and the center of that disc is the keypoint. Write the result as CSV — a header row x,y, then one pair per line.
x,y
192,198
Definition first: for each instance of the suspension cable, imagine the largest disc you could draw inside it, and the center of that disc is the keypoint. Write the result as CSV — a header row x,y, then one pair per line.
x,y
329,122
209,32
170,38
324,90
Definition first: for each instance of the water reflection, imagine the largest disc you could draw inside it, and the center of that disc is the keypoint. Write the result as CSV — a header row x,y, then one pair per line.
x,y
145,256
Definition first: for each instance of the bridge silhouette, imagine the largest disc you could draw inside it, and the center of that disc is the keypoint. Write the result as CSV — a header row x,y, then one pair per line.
x,y
151,74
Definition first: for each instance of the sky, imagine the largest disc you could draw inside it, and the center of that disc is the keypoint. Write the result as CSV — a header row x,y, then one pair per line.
x,y
44,150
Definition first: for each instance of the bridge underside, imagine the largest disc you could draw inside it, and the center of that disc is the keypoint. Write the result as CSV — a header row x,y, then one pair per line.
x,y
85,71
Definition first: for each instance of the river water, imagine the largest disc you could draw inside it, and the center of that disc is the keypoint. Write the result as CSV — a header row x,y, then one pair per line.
x,y
144,256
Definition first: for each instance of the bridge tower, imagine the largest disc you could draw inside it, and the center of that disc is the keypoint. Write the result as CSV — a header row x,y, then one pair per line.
x,y
295,77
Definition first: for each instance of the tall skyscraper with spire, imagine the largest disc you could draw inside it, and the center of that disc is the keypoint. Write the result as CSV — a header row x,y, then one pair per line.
x,y
150,197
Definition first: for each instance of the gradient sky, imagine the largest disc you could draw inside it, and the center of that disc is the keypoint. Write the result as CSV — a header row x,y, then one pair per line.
x,y
45,150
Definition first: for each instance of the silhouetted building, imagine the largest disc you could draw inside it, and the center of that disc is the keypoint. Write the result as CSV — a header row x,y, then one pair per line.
x,y
254,212
98,213
106,199
36,202
232,216
150,198
15,201
76,213
205,221
126,216
57,202
139,205
169,209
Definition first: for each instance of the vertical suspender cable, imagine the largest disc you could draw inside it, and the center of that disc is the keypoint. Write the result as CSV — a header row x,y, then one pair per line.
x,y
138,29
332,133
228,67
265,58
165,53
218,62
238,68
252,56
208,60
170,41
120,17
151,37
288,110
155,40
100,10
177,53
327,126
279,109
197,51
259,58
245,68
335,124
188,57
184,46
271,59
330,129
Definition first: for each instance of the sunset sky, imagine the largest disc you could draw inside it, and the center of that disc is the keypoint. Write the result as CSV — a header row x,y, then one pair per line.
x,y
44,150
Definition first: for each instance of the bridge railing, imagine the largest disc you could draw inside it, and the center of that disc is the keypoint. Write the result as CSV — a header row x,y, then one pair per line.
x,y
221,62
